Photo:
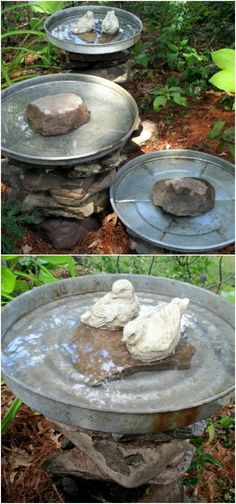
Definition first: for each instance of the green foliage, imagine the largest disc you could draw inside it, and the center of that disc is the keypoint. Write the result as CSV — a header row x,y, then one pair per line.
x,y
13,221
226,136
225,78
22,273
221,429
168,95
10,415
47,7
19,43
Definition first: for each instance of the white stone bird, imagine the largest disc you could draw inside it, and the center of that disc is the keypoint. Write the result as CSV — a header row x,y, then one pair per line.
x,y
154,336
114,309
110,23
85,24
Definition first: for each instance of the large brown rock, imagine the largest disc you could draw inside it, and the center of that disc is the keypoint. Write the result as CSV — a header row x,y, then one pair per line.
x,y
65,233
184,196
57,114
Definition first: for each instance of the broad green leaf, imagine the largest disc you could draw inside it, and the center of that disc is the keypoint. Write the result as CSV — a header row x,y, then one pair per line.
x,y
180,100
9,257
224,79
142,59
22,286
172,47
46,277
229,135
54,260
224,58
216,129
47,7
226,421
8,281
158,102
229,295
231,149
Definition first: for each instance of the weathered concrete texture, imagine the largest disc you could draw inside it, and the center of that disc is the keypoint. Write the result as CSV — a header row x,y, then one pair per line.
x,y
184,196
57,114
65,233
130,464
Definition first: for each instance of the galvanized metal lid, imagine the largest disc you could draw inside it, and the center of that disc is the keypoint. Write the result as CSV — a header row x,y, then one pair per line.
x,y
131,198
113,117
37,358
59,30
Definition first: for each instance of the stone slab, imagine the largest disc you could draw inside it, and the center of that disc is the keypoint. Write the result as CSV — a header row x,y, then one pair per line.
x,y
101,355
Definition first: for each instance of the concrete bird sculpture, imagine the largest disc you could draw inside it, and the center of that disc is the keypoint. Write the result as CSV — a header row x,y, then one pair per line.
x,y
114,309
110,23
86,23
155,335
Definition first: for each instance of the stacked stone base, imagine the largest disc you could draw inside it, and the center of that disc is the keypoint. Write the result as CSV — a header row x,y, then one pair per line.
x,y
148,466
64,198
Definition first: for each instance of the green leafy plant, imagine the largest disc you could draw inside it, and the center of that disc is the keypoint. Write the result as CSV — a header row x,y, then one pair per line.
x,y
26,51
225,78
13,221
21,273
168,95
226,137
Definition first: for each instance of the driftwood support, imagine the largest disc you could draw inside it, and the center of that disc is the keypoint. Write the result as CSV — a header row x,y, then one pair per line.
x,y
153,463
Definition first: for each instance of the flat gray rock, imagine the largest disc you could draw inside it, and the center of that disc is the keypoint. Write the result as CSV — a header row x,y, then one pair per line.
x,y
57,114
184,196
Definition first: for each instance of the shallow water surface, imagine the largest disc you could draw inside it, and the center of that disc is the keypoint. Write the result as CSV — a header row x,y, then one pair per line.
x,y
38,351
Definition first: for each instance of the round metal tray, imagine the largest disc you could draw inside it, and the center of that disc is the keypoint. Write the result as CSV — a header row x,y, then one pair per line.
x,y
37,357
131,198
114,116
59,26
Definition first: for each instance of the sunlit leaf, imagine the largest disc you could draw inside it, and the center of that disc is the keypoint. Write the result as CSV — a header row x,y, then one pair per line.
x,y
224,79
158,102
224,58
8,281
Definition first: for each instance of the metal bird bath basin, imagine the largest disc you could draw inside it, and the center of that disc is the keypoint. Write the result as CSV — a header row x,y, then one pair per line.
x,y
59,30
131,198
37,358
113,117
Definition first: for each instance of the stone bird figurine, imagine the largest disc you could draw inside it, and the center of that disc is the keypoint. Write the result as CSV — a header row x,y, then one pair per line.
x,y
155,335
114,309
110,23
86,23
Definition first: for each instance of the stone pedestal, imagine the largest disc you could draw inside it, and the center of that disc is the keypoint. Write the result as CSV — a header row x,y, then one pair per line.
x,y
114,66
152,464
70,194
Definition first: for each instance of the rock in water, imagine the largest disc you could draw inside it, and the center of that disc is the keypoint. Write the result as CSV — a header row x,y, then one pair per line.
x,y
184,196
110,23
57,114
114,309
155,335
85,24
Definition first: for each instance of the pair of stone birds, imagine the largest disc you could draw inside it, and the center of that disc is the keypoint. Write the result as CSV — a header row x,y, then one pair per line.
x,y
149,337
86,23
